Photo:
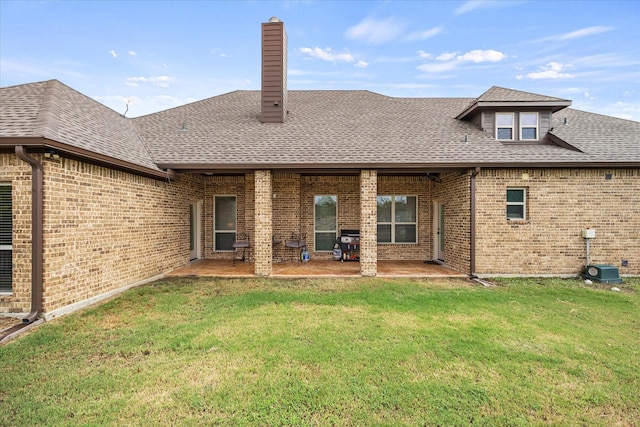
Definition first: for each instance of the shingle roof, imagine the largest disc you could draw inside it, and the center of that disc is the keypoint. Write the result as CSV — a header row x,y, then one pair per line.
x,y
499,97
54,111
501,94
599,136
19,108
324,129
343,128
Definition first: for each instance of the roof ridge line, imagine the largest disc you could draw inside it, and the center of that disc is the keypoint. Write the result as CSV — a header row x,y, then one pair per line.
x,y
47,117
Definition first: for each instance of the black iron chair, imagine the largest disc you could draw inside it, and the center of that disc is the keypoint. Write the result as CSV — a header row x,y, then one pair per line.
x,y
297,242
275,244
241,242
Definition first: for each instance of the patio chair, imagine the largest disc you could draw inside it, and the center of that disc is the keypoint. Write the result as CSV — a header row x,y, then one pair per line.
x,y
297,243
276,243
241,242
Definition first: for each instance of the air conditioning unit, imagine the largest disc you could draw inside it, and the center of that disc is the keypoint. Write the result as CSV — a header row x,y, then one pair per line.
x,y
602,274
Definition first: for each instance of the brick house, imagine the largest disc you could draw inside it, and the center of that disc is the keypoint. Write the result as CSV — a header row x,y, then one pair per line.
x,y
92,202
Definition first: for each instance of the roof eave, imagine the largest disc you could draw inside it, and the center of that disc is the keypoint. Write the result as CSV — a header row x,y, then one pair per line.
x,y
415,168
86,155
554,106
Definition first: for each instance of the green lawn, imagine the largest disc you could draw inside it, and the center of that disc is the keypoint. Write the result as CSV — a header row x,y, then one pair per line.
x,y
334,352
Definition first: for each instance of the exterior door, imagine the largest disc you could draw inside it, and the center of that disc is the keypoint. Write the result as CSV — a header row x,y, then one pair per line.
x,y
438,231
195,210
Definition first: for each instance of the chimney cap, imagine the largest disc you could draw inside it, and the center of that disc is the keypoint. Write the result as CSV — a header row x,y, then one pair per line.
x,y
274,19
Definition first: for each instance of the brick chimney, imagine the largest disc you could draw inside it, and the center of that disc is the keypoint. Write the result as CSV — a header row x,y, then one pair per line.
x,y
274,71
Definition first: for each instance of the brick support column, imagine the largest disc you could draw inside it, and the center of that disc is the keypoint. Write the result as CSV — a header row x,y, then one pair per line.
x,y
368,223
263,244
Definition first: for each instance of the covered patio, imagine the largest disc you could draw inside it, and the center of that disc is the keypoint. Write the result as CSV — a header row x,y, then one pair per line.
x,y
315,268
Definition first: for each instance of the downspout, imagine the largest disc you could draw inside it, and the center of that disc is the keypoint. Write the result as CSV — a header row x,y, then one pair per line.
x,y
36,234
472,226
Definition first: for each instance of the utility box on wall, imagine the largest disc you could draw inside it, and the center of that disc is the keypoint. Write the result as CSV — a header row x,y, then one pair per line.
x,y
589,233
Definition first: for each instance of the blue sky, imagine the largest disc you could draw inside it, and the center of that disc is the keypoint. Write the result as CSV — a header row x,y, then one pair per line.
x,y
156,55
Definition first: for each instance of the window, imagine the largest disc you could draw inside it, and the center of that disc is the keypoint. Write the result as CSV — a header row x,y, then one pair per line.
x,y
528,126
516,203
527,123
6,236
224,208
504,126
397,219
326,222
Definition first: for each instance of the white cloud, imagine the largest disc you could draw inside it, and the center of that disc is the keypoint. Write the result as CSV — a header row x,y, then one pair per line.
x,y
361,64
577,34
551,71
19,67
620,109
447,56
407,85
217,51
584,32
573,90
113,53
297,72
141,106
472,5
159,81
376,32
482,56
438,67
118,103
624,110
132,53
327,54
448,61
426,34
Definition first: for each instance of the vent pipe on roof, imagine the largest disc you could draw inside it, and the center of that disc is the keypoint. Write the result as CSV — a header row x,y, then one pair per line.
x,y
274,72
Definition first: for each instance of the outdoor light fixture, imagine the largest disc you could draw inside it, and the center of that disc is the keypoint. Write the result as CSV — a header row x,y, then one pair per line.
x,y
50,153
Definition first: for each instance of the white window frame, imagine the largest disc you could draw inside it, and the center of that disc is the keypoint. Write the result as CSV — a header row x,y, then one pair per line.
x,y
316,231
512,127
536,127
9,247
216,231
523,203
393,221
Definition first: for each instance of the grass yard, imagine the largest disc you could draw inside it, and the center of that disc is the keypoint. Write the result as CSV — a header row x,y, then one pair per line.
x,y
334,352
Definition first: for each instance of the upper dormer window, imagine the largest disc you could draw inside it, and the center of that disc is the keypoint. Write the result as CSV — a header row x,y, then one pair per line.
x,y
526,123
504,126
529,126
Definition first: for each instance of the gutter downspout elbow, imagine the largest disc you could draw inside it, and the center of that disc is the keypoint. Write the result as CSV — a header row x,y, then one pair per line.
x,y
36,234
472,225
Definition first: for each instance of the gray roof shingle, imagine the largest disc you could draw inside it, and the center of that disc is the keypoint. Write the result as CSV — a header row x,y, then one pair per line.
x,y
332,129
54,111
501,94
342,128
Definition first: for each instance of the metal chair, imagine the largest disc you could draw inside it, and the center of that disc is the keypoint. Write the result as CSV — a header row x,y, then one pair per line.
x,y
241,242
296,242
275,251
